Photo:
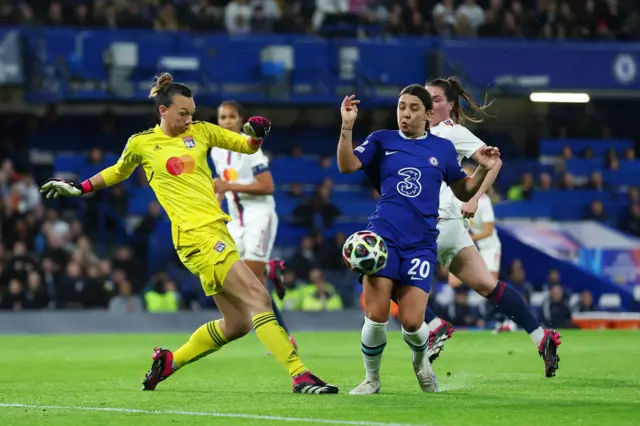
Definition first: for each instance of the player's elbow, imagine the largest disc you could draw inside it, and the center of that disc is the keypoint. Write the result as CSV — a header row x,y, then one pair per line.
x,y
465,196
498,165
462,191
347,167
268,189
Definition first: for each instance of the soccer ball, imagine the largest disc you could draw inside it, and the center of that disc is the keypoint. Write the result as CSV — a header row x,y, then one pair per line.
x,y
365,252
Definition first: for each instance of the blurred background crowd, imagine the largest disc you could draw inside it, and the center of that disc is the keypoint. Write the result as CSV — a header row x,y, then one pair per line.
x,y
547,19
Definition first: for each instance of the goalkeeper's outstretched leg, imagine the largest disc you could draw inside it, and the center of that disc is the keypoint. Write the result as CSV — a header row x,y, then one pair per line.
x,y
243,300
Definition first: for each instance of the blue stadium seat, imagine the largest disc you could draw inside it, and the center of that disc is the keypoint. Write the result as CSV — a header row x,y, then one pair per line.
x,y
291,170
357,208
619,178
285,206
575,197
630,167
139,200
599,147
67,163
584,166
522,209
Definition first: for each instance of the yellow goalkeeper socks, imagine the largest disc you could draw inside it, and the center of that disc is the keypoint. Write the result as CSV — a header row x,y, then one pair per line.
x,y
273,336
206,339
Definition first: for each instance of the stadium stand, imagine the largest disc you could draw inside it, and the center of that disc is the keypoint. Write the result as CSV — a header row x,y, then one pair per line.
x,y
579,165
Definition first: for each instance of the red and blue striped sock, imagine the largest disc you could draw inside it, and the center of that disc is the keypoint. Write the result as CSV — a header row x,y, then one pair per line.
x,y
509,302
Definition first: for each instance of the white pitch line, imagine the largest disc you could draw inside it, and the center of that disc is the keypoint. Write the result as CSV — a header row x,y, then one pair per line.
x,y
207,414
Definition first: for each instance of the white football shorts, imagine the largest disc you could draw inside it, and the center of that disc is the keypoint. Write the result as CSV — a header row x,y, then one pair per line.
x,y
255,234
453,237
492,257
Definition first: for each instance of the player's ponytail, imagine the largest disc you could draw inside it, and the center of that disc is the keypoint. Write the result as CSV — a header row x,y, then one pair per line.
x,y
160,83
456,93
164,89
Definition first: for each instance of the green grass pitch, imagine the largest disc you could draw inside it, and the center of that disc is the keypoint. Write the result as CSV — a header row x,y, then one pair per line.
x,y
485,380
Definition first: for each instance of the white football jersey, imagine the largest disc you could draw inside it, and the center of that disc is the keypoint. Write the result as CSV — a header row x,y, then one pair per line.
x,y
466,144
483,215
235,167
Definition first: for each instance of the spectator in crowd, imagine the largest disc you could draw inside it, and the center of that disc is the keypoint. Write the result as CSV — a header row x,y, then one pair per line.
x,y
304,259
597,212
567,183
237,17
291,300
125,301
596,182
545,183
331,256
555,312
14,299
611,161
319,295
587,153
552,279
632,223
523,191
444,17
585,303
318,211
472,12
460,313
518,279
630,154
162,297
35,294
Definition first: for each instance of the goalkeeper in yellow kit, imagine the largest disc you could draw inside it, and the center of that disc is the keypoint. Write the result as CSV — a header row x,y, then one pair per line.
x,y
174,157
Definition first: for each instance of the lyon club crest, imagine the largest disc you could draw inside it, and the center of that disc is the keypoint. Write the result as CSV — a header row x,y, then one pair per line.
x,y
189,142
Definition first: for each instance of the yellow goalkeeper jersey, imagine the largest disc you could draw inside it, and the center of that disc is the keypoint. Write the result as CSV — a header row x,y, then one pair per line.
x,y
178,171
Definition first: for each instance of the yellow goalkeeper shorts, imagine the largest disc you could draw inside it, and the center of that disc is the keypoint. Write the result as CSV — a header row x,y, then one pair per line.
x,y
208,252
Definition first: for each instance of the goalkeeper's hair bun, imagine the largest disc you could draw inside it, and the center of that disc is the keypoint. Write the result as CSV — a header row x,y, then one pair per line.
x,y
161,82
164,89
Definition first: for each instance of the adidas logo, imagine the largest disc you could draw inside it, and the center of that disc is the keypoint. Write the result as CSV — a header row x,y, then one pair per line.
x,y
156,148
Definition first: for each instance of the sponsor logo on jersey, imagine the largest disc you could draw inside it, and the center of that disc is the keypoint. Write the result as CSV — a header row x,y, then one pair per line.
x,y
220,246
179,165
390,152
433,161
230,175
156,148
188,141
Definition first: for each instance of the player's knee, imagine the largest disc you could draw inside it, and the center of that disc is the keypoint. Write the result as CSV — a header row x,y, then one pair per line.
x,y
237,328
377,312
259,298
410,321
484,287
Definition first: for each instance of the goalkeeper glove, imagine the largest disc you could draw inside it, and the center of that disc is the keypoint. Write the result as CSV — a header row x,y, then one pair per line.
x,y
257,128
58,187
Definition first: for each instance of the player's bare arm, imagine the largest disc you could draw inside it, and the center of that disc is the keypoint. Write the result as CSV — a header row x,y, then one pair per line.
x,y
469,208
263,185
347,160
110,176
487,229
466,189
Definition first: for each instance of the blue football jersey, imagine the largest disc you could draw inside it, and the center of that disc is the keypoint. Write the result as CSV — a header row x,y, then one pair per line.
x,y
408,174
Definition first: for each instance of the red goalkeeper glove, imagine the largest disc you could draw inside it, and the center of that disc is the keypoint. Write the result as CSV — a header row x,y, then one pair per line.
x,y
257,128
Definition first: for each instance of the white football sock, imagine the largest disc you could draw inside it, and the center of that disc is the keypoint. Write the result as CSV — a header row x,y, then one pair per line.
x,y
434,324
418,342
374,339
537,335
